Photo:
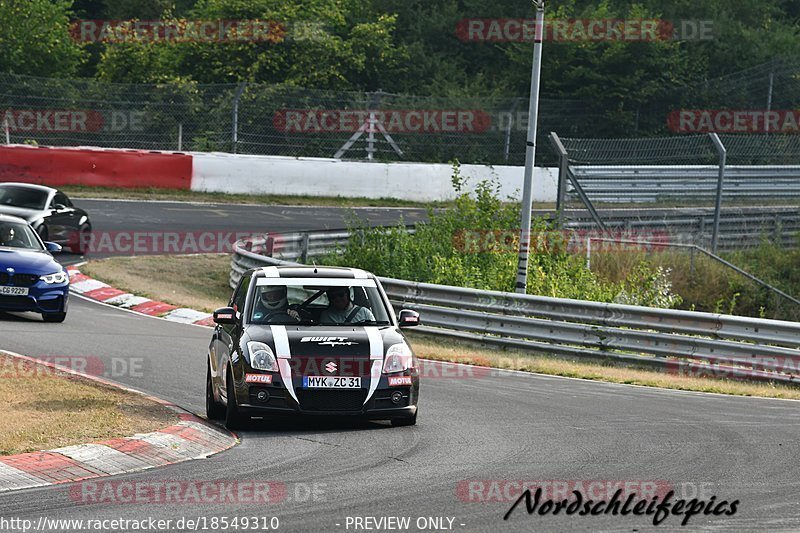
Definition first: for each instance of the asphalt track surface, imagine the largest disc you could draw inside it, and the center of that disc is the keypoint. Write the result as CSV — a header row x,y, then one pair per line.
x,y
472,427
124,215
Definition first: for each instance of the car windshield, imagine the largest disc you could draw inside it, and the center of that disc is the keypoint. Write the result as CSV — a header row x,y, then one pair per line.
x,y
16,235
282,302
22,197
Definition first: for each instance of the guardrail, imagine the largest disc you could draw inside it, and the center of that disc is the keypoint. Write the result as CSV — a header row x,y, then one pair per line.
x,y
651,183
670,340
738,227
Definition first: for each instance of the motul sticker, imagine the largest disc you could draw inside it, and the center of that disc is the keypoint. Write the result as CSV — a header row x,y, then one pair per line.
x,y
397,381
258,378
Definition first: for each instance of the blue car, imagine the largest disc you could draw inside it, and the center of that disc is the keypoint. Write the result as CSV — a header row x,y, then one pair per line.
x,y
30,279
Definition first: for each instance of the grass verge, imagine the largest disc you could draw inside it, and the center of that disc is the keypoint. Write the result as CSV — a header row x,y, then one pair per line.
x,y
46,409
194,281
151,193
456,351
145,276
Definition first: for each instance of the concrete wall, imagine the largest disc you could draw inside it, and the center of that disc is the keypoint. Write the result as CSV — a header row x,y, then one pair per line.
x,y
332,177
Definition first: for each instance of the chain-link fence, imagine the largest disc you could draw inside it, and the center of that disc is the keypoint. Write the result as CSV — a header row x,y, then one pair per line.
x,y
678,179
275,120
257,118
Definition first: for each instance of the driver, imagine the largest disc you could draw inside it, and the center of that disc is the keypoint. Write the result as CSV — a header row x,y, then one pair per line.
x,y
342,310
273,303
8,237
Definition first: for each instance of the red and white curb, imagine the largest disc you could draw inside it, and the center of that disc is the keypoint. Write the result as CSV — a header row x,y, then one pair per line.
x,y
190,438
102,292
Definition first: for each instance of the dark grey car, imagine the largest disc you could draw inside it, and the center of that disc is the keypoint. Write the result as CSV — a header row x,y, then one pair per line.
x,y
49,211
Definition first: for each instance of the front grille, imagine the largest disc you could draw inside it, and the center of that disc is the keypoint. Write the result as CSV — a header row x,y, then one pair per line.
x,y
18,280
332,400
16,302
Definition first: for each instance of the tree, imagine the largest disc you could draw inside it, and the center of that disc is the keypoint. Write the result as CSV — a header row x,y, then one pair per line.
x,y
330,44
35,38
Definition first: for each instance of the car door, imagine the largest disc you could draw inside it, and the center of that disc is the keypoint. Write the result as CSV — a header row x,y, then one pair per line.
x,y
61,223
227,335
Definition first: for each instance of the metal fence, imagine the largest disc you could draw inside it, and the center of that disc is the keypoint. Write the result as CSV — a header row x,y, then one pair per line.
x,y
265,119
669,340
685,170
268,119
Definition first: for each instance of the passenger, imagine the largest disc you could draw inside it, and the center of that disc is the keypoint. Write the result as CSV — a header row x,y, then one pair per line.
x,y
342,310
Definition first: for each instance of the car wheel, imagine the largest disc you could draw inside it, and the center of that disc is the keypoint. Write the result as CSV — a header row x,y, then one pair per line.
x,y
233,418
83,239
408,421
214,409
54,317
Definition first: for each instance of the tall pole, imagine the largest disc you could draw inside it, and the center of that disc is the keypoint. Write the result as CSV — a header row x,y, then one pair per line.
x,y
530,152
720,181
235,112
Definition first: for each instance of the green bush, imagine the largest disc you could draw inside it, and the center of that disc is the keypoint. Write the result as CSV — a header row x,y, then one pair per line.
x,y
474,244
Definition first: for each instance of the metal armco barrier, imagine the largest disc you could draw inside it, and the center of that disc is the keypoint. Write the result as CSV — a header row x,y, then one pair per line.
x,y
739,227
682,342
650,183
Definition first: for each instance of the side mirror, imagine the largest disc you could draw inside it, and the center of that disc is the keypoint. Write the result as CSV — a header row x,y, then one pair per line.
x,y
225,315
408,318
52,247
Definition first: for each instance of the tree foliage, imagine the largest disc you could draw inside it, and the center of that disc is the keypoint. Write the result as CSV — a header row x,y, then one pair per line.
x,y
413,47
35,39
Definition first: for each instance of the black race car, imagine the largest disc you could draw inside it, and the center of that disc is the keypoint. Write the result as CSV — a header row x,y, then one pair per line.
x,y
49,211
311,341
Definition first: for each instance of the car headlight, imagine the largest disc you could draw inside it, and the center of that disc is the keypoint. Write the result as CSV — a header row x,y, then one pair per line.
x,y
262,357
55,278
398,358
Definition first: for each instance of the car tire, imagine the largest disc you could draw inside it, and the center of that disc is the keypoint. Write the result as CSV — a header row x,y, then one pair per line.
x,y
83,239
54,317
408,421
214,409
233,418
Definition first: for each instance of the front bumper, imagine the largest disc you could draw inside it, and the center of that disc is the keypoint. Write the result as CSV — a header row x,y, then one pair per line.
x,y
44,299
277,399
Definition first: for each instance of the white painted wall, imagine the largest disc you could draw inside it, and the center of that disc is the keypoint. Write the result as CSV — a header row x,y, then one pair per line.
x,y
251,174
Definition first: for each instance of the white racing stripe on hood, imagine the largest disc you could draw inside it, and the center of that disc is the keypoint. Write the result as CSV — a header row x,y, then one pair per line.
x,y
376,355
283,353
271,272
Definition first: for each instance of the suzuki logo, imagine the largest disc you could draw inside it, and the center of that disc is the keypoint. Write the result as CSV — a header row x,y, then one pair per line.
x,y
331,367
10,270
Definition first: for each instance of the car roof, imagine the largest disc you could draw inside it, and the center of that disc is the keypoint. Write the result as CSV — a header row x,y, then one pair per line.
x,y
10,218
44,188
321,272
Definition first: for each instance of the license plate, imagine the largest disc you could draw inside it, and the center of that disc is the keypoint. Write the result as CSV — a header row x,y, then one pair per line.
x,y
331,382
14,291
